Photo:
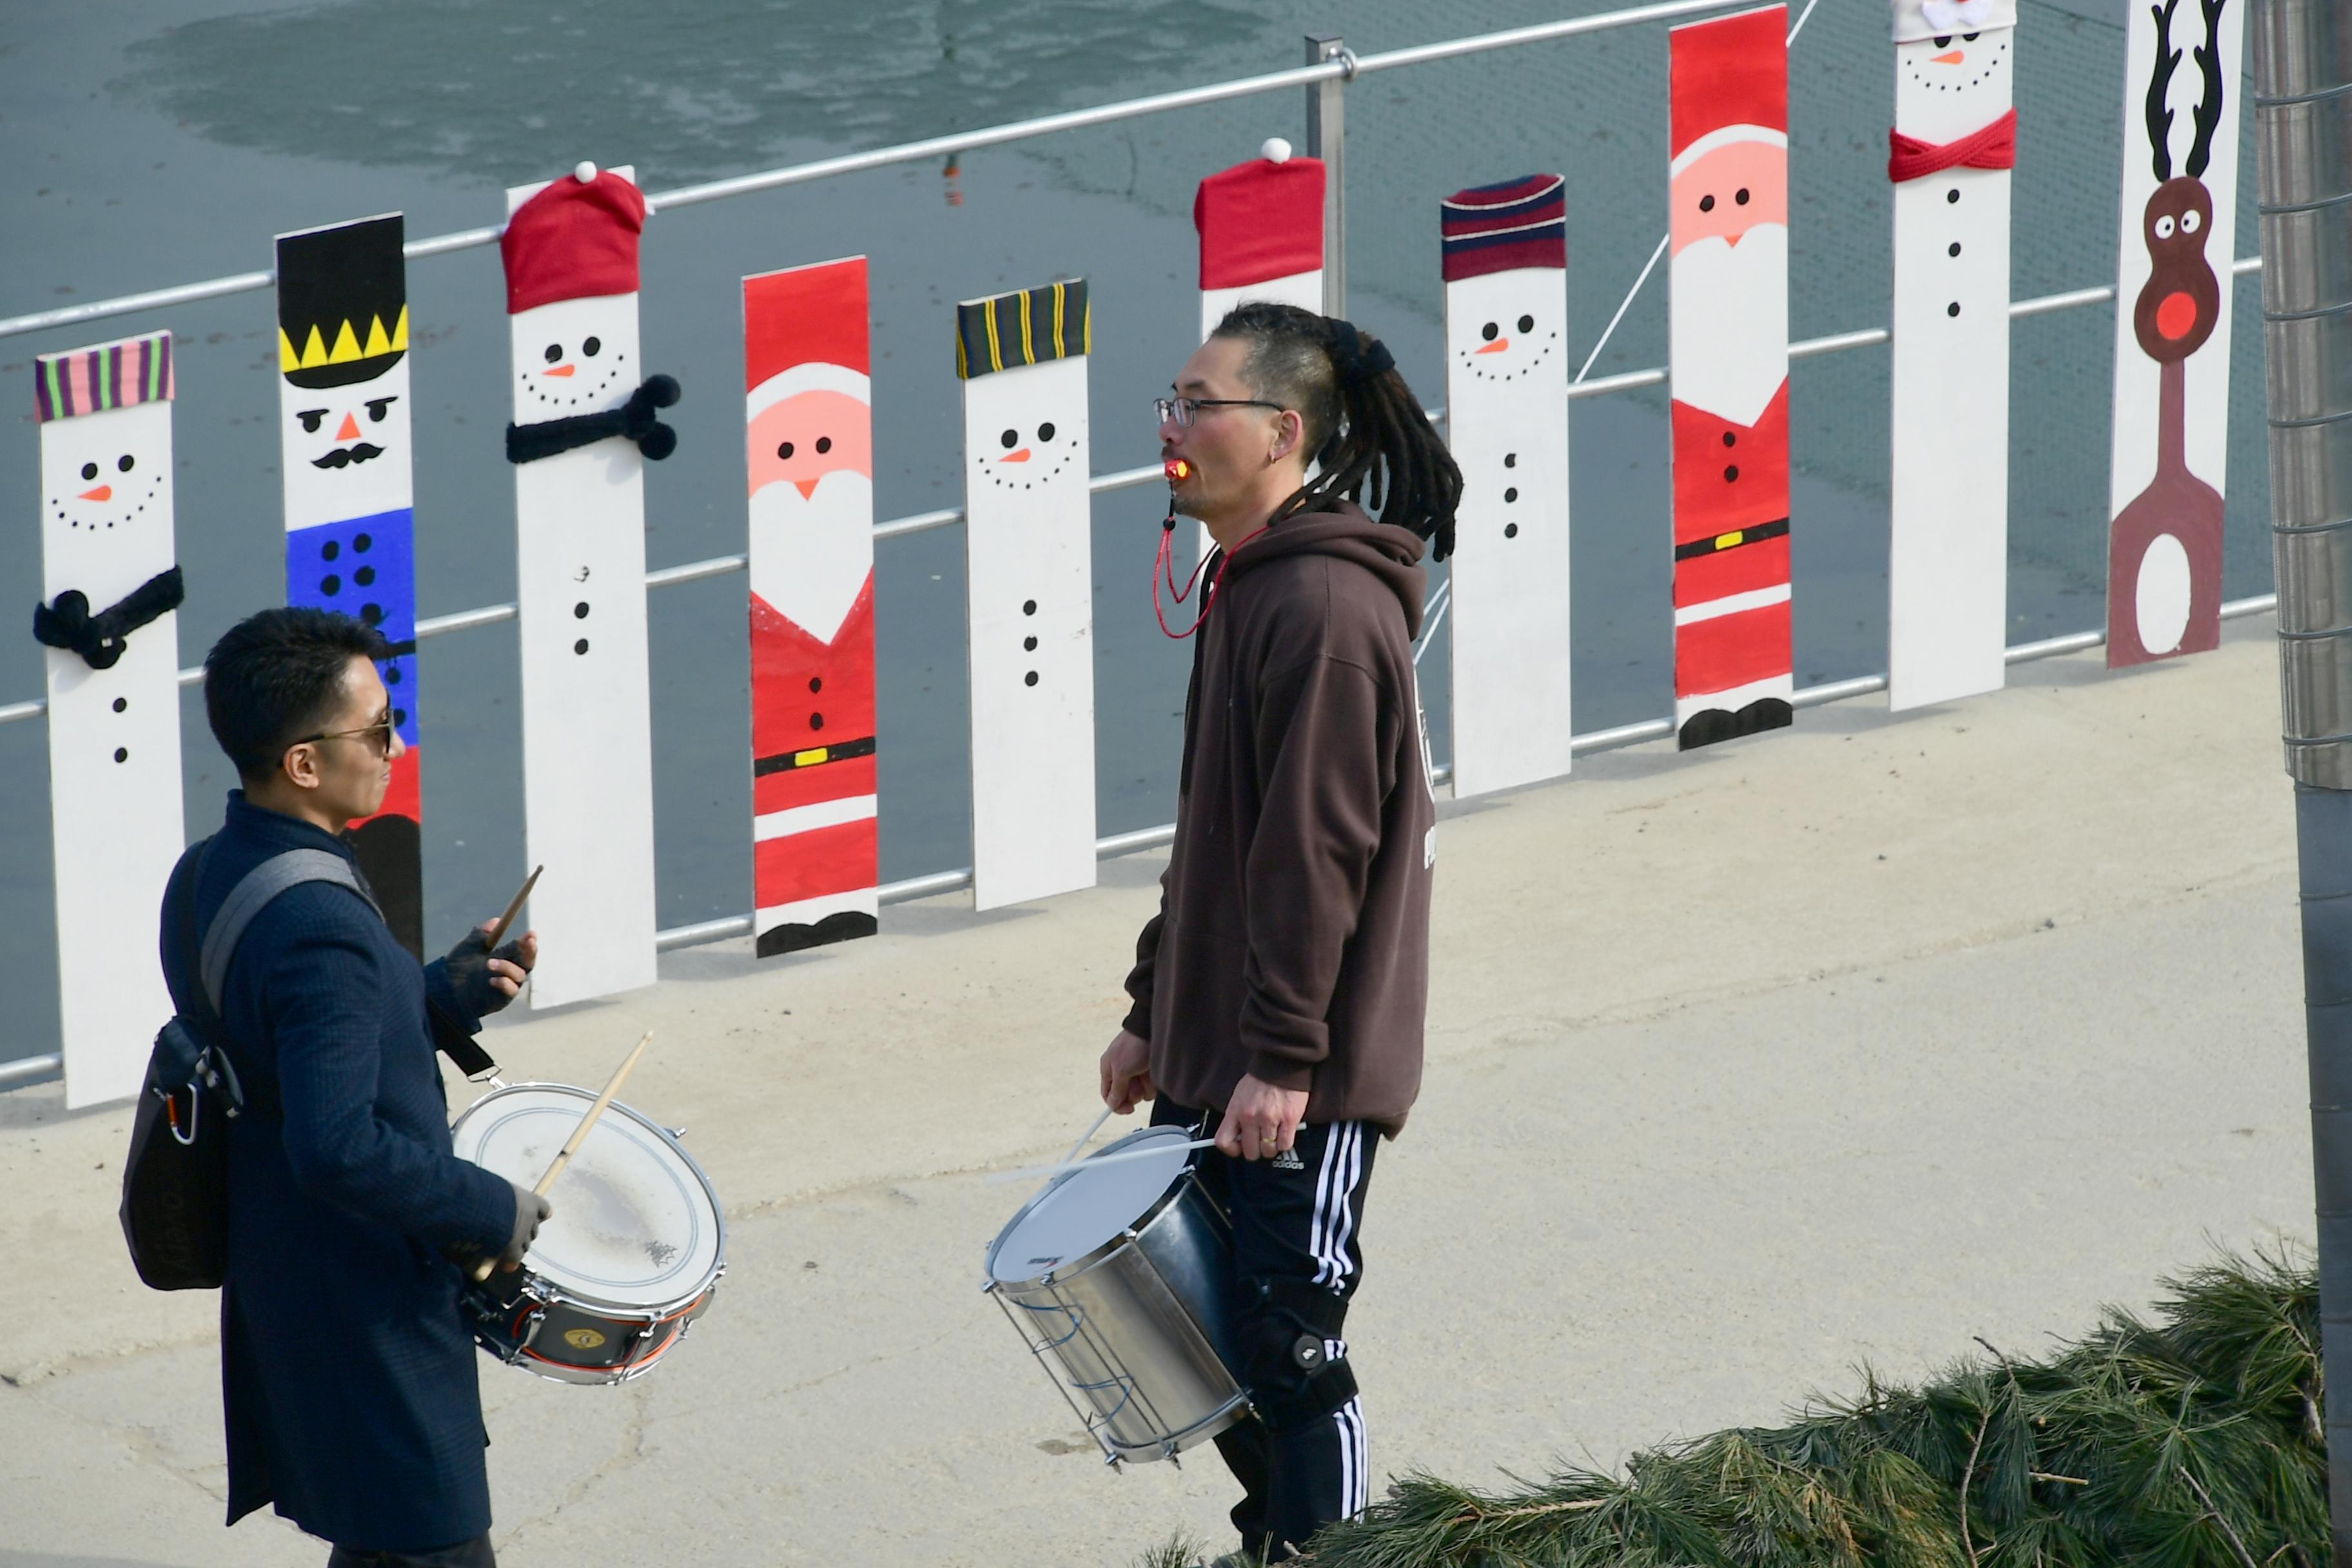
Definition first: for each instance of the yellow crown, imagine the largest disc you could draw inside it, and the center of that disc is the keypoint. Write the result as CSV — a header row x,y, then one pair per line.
x,y
315,352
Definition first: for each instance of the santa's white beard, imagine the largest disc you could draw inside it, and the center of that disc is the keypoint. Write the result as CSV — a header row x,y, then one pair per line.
x,y
1729,310
810,557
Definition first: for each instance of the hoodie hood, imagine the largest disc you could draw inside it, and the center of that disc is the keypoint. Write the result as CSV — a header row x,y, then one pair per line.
x,y
1390,553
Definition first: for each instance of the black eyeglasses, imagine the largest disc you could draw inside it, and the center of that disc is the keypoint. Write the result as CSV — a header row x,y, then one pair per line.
x,y
378,735
1182,409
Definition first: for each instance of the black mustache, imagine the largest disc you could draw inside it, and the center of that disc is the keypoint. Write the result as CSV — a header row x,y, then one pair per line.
x,y
359,452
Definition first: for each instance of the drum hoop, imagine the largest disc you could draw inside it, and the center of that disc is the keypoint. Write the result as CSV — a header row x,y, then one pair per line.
x,y
1190,1174
552,1294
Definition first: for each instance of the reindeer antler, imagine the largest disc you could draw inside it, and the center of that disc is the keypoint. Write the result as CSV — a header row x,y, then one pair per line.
x,y
2209,103
2159,116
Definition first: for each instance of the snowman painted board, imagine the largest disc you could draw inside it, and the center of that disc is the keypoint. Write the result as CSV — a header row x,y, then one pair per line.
x,y
571,255
1029,586
343,431
2172,328
1504,258
116,828
1954,144
809,449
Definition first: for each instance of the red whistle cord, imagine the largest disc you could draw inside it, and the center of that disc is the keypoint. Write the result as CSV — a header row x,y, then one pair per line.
x,y
1992,147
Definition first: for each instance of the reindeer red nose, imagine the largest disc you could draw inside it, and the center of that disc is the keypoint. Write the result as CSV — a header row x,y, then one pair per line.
x,y
2176,316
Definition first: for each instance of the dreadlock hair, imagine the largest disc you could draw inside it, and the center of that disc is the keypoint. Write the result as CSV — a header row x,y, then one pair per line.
x,y
1362,424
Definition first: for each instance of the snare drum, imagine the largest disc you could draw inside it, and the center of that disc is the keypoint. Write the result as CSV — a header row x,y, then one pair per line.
x,y
631,1256
1119,1280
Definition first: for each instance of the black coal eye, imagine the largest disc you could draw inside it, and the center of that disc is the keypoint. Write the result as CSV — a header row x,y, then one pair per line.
x,y
310,418
122,464
1742,197
1488,331
823,445
377,405
1526,324
785,450
1011,439
593,347
90,470
1943,41
1706,204
1969,38
554,352
1046,431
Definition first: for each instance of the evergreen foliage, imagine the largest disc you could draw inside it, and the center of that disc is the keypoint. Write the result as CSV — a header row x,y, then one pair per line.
x,y
2193,1441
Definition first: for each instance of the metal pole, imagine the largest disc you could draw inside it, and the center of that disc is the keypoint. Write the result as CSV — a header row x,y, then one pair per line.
x,y
2303,138
1327,137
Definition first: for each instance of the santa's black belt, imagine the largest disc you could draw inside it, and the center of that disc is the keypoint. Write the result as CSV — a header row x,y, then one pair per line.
x,y
812,756
1732,540
67,624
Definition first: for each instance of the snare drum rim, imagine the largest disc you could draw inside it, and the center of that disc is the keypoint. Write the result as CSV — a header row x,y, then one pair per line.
x,y
550,1292
1136,1227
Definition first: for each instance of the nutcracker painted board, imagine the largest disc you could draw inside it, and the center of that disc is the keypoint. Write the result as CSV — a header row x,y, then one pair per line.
x,y
343,434
1503,254
585,420
110,586
1029,584
1727,315
1950,152
2172,342
810,446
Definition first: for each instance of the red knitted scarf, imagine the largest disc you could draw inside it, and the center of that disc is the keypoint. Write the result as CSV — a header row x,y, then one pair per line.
x,y
1992,147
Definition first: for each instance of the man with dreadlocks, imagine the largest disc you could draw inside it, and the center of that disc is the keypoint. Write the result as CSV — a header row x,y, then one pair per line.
x,y
1279,993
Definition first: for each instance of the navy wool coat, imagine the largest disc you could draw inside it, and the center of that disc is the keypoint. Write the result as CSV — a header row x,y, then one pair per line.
x,y
347,1370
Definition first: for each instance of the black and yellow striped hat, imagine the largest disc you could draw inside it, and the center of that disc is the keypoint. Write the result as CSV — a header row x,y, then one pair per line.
x,y
1009,331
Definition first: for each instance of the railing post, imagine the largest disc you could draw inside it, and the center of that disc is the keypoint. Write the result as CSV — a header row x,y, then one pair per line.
x,y
2303,140
1327,137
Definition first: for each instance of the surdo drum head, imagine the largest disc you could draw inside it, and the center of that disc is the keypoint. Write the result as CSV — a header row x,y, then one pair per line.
x,y
1088,1207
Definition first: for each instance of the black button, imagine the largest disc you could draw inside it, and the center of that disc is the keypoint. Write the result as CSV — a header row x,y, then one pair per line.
x,y
1512,494
1952,196
816,683
121,703
122,755
391,675
1028,645
1510,531
580,611
1730,438
363,576
1731,474
330,550
1956,249
1030,679
579,647
371,614
816,721
331,584
1953,309
1029,607
360,542
399,717
1510,459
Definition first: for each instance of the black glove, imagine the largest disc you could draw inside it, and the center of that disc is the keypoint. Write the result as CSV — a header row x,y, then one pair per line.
x,y
530,1213
467,972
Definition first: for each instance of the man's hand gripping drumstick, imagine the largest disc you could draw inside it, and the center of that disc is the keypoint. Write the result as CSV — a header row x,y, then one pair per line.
x,y
537,1196
1260,1123
509,975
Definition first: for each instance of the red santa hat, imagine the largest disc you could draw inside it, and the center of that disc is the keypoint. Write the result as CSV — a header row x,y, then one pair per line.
x,y
576,239
1259,221
805,329
1728,82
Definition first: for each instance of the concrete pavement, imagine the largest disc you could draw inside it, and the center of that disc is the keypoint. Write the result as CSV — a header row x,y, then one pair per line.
x,y
1838,1045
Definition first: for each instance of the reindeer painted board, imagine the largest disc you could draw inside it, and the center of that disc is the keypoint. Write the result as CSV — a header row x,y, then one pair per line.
x,y
2172,328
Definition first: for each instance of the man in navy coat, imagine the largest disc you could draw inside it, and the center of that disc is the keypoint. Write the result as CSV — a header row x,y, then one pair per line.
x,y
348,1374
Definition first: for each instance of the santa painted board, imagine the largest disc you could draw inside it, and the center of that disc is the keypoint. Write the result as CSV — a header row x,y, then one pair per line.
x,y
2172,328
1503,254
110,588
1950,151
343,434
1029,586
585,419
1727,313
810,447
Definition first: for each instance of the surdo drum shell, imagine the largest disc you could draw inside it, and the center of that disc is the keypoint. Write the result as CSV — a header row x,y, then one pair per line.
x,y
631,1256
1118,1277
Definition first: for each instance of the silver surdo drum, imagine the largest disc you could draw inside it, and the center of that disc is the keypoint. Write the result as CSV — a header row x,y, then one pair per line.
x,y
1118,1277
631,1256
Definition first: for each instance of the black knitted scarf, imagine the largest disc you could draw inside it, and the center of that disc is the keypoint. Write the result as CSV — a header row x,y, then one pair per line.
x,y
101,639
634,419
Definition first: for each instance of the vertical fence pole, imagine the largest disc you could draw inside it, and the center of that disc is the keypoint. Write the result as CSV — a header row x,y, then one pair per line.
x,y
1327,137
2302,134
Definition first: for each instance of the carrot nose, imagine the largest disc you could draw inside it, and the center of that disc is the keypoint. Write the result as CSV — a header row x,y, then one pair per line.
x,y
1951,57
807,486
350,430
103,492
1020,456
1498,346
557,369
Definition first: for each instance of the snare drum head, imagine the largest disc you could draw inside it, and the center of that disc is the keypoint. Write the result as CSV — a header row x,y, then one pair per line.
x,y
636,1224
1089,1206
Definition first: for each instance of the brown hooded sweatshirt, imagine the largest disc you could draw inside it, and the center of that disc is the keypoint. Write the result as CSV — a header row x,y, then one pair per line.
x,y
1292,940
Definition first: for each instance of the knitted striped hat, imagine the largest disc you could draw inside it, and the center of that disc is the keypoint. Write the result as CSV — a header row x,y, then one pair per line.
x,y
111,375
1499,228
1031,327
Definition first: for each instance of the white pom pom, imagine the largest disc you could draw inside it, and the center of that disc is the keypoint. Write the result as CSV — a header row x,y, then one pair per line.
x,y
585,174
1275,151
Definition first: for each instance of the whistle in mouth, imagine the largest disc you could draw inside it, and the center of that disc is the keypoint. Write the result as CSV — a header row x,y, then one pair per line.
x,y
1177,468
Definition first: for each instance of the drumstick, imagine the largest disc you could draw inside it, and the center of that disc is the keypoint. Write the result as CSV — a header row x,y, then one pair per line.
x,y
514,908
995,1176
1089,1133
579,1136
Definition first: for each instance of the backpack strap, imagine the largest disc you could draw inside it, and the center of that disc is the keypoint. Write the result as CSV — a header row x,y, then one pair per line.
x,y
274,875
